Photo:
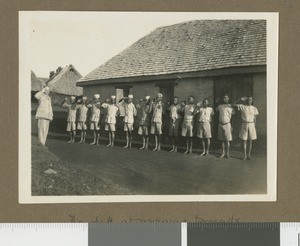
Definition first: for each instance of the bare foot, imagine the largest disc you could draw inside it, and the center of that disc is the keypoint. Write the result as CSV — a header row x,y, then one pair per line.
x,y
171,150
250,158
175,150
227,157
93,143
202,154
108,145
45,147
186,152
146,148
155,149
80,142
70,141
158,149
125,147
245,158
222,156
112,145
143,147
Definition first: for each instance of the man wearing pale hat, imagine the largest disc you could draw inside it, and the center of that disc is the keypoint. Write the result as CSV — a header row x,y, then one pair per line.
x,y
130,113
95,105
112,111
156,121
44,114
71,120
82,117
144,122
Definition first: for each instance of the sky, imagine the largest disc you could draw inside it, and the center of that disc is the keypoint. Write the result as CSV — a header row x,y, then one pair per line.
x,y
88,39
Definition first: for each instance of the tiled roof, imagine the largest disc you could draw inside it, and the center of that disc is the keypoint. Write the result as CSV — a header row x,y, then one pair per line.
x,y
36,84
65,82
187,47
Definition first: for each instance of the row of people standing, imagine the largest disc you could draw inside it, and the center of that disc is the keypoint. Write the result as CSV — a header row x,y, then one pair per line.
x,y
182,117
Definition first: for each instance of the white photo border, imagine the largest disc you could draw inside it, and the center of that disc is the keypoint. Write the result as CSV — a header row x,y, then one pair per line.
x,y
25,18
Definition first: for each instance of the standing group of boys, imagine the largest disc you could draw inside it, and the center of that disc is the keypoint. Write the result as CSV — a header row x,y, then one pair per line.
x,y
150,114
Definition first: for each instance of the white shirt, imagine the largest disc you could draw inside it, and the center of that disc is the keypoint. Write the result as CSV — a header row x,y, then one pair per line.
x,y
82,109
130,113
188,112
225,113
112,111
205,114
174,112
157,112
248,112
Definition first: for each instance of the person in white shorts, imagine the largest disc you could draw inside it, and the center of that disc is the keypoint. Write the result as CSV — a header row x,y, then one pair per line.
x,y
82,117
71,120
95,105
204,128
247,131
144,121
112,111
175,123
226,111
157,110
130,113
188,123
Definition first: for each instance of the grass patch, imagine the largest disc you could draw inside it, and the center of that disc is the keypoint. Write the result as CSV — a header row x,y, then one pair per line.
x,y
67,180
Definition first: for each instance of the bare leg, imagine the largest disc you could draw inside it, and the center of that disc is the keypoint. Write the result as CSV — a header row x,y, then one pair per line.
x,y
187,145
176,143
250,150
127,140
97,137
109,137
144,143
208,146
147,142
74,135
158,145
245,149
173,144
70,141
81,137
130,139
155,143
228,149
191,146
112,139
223,150
203,146
84,135
94,142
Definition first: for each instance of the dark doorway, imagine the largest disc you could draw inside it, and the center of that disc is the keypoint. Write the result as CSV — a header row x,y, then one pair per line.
x,y
235,86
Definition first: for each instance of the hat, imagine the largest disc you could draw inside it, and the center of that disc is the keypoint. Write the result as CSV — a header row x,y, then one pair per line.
x,y
84,98
147,97
113,97
96,96
130,96
160,95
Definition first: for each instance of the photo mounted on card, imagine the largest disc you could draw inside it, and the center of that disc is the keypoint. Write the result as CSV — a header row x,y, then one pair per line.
x,y
147,106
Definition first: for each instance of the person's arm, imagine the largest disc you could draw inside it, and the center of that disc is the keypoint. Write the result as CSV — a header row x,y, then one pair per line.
x,y
65,103
39,94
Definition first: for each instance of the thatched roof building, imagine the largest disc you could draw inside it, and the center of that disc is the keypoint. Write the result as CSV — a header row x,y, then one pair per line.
x,y
36,84
65,82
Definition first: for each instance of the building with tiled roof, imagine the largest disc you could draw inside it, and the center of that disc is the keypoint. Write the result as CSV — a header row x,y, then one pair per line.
x,y
204,58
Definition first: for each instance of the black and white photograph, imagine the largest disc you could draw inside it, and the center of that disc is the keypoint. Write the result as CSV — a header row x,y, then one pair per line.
x,y
147,106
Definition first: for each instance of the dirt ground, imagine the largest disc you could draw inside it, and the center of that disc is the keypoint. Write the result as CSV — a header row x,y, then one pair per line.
x,y
85,169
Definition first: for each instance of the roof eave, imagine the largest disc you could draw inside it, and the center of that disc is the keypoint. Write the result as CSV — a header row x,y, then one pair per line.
x,y
179,75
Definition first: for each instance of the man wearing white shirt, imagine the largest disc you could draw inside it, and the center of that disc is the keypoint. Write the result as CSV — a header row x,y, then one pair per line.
x,y
226,111
247,131
112,111
44,114
130,113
